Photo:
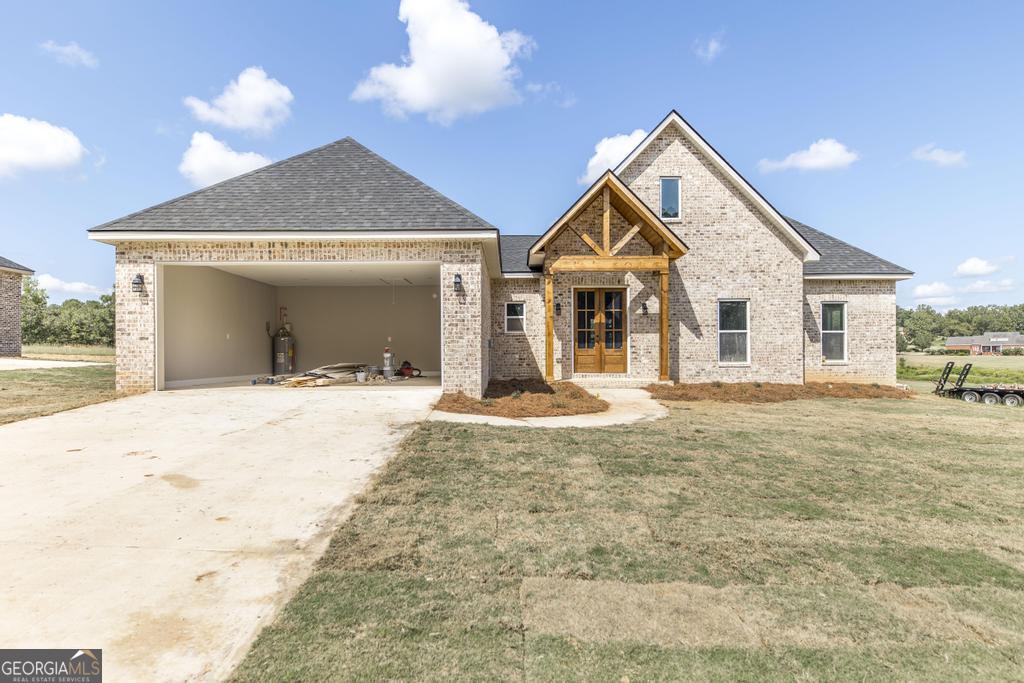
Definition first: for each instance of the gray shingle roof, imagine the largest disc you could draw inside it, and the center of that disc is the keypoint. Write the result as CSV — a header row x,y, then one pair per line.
x,y
11,265
840,258
997,338
340,186
515,252
837,257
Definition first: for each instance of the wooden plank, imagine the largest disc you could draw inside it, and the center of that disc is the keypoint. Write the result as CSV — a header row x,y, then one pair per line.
x,y
589,241
663,312
606,220
549,327
597,264
625,239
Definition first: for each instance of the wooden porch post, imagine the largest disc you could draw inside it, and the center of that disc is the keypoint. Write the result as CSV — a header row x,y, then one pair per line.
x,y
663,311
549,327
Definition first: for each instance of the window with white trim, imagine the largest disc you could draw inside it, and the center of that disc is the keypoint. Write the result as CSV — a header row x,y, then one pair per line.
x,y
833,332
515,317
670,198
734,332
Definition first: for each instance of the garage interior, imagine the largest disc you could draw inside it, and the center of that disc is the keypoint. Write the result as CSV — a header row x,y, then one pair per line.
x,y
213,320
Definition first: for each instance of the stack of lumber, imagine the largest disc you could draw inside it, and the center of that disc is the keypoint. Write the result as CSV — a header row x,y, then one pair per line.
x,y
327,375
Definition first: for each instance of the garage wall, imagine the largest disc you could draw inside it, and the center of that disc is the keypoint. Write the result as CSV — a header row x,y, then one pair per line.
x,y
214,324
353,324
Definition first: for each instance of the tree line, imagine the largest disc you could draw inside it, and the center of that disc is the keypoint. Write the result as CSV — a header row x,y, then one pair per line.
x,y
922,326
89,323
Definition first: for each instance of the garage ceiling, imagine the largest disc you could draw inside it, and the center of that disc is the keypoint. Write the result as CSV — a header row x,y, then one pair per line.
x,y
339,274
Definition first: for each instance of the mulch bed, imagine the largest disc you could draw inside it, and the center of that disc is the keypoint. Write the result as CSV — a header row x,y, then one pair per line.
x,y
526,398
761,392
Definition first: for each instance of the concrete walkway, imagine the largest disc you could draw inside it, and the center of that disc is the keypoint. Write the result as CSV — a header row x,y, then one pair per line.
x,y
626,406
169,528
37,364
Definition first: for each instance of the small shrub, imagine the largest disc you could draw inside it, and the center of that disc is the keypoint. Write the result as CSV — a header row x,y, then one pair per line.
x,y
517,394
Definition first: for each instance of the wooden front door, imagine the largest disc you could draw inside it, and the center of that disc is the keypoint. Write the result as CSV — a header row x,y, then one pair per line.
x,y
599,330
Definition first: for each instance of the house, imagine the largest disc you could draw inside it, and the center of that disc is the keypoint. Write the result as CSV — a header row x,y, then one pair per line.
x,y
988,344
669,267
10,306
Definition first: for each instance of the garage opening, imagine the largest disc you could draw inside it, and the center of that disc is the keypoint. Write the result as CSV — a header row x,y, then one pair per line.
x,y
214,321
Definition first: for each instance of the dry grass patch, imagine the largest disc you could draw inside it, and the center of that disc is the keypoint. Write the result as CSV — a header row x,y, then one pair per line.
x,y
32,393
764,392
525,398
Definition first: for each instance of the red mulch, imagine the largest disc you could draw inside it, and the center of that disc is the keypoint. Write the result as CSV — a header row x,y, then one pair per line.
x,y
525,398
763,392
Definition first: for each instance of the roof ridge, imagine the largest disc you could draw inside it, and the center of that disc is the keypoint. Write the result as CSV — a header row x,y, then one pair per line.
x,y
200,190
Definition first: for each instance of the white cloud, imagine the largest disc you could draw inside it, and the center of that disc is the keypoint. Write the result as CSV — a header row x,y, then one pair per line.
x,y
553,91
975,267
989,286
938,156
253,102
931,290
457,64
208,161
608,152
824,155
71,54
940,301
31,144
708,50
55,285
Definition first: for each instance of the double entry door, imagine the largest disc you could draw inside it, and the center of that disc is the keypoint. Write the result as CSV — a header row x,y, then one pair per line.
x,y
599,330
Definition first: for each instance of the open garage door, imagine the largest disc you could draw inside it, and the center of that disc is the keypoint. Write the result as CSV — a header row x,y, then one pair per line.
x,y
213,320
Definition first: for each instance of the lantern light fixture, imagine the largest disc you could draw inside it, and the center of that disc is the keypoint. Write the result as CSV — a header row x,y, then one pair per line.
x,y
643,307
138,283
558,309
458,281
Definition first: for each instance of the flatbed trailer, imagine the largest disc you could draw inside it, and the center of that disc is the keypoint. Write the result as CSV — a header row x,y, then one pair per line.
x,y
1011,395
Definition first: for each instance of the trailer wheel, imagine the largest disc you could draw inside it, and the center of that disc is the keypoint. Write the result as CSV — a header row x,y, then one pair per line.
x,y
1013,400
991,399
971,396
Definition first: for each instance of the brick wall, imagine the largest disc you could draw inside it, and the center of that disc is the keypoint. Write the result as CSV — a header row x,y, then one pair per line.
x,y
463,325
735,252
10,313
870,325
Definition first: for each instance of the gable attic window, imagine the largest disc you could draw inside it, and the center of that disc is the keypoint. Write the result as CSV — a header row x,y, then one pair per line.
x,y
515,317
670,198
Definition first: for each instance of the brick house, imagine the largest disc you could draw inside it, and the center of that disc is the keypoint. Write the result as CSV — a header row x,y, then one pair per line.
x,y
988,344
670,267
10,306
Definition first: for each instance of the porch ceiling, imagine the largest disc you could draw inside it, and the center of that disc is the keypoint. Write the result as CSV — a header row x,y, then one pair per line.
x,y
337,274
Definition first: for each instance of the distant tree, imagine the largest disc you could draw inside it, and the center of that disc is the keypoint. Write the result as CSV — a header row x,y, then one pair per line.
x,y
86,323
34,300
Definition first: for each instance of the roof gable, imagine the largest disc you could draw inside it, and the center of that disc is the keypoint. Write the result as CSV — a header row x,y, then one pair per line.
x,y
342,186
626,203
745,188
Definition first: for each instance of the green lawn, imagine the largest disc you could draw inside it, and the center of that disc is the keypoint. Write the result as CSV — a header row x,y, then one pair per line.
x,y
104,354
921,366
31,393
829,539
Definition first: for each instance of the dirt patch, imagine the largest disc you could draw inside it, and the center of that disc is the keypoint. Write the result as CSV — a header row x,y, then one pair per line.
x,y
762,392
180,481
529,398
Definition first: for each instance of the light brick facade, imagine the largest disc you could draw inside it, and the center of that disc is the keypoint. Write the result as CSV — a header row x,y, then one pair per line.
x,y
870,330
464,324
10,313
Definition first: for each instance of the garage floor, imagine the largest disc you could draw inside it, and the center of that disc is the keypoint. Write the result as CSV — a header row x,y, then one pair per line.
x,y
168,528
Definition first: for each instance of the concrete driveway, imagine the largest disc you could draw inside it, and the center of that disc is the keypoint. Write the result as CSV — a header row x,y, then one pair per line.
x,y
169,528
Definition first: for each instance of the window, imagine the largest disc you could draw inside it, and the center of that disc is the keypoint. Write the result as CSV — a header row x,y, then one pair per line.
x,y
733,332
515,317
833,332
670,197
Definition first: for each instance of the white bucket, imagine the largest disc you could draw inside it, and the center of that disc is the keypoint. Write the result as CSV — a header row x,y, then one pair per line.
x,y
360,375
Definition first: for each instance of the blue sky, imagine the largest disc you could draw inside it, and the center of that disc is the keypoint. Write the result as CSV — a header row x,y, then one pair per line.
x,y
915,108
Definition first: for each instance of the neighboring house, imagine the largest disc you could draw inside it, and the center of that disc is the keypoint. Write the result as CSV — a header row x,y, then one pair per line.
x,y
988,344
670,267
10,306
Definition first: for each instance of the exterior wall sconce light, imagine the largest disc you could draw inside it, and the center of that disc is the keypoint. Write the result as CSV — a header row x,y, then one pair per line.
x,y
458,281
558,309
643,307
138,284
